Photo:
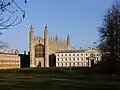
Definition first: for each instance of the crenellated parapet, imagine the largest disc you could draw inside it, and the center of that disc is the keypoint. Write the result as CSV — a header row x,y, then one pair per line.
x,y
38,40
57,44
56,40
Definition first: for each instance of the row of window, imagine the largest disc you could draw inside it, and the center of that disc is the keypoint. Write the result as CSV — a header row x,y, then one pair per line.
x,y
74,59
69,59
9,58
72,64
73,54
8,61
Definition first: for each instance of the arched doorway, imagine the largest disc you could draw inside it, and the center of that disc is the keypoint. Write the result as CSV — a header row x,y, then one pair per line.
x,y
39,64
52,60
92,63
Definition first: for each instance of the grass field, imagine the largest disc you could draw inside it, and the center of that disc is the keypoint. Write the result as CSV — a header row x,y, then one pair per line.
x,y
56,79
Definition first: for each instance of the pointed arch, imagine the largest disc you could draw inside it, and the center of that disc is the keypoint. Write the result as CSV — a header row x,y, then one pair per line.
x,y
39,64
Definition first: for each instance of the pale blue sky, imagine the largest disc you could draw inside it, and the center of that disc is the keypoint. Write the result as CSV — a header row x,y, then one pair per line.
x,y
79,18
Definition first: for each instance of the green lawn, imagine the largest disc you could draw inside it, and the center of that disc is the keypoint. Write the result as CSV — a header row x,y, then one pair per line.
x,y
49,79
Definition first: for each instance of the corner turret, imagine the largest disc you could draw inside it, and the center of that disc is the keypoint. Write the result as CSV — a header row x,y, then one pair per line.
x,y
31,27
68,41
46,44
56,38
46,28
31,32
31,46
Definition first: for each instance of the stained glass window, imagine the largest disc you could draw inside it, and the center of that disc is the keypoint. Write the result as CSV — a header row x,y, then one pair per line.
x,y
39,50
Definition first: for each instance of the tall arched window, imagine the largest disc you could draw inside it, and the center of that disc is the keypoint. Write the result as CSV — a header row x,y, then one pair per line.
x,y
39,50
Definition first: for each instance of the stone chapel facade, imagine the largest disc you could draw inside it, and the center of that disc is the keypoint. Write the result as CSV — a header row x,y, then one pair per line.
x,y
42,47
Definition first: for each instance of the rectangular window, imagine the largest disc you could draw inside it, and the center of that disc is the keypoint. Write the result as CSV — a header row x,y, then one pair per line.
x,y
61,64
73,64
70,59
82,59
73,59
66,59
82,64
65,64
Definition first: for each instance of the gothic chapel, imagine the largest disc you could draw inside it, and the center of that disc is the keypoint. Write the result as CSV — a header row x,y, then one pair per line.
x,y
42,47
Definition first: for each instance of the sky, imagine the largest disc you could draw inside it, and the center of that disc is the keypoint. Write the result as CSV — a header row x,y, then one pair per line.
x,y
78,18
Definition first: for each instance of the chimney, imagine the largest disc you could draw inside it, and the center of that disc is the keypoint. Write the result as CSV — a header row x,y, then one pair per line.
x,y
29,53
24,52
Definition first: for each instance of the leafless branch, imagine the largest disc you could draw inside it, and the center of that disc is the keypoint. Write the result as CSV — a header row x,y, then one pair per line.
x,y
11,14
9,17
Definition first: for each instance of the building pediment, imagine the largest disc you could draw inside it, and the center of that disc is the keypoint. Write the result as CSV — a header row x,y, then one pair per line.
x,y
91,51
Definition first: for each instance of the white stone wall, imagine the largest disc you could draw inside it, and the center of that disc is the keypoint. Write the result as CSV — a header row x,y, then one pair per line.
x,y
79,59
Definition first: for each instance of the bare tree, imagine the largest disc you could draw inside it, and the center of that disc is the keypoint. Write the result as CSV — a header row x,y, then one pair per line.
x,y
10,14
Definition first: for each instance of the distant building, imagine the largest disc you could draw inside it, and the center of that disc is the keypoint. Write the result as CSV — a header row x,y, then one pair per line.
x,y
42,49
9,60
25,60
77,58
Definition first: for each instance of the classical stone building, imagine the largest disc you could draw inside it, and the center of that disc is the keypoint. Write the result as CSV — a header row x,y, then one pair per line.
x,y
42,47
9,60
77,58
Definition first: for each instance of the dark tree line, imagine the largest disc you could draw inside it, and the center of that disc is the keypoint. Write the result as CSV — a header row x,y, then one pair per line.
x,y
110,39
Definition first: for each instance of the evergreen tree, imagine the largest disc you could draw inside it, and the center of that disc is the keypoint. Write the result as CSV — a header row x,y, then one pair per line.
x,y
110,39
